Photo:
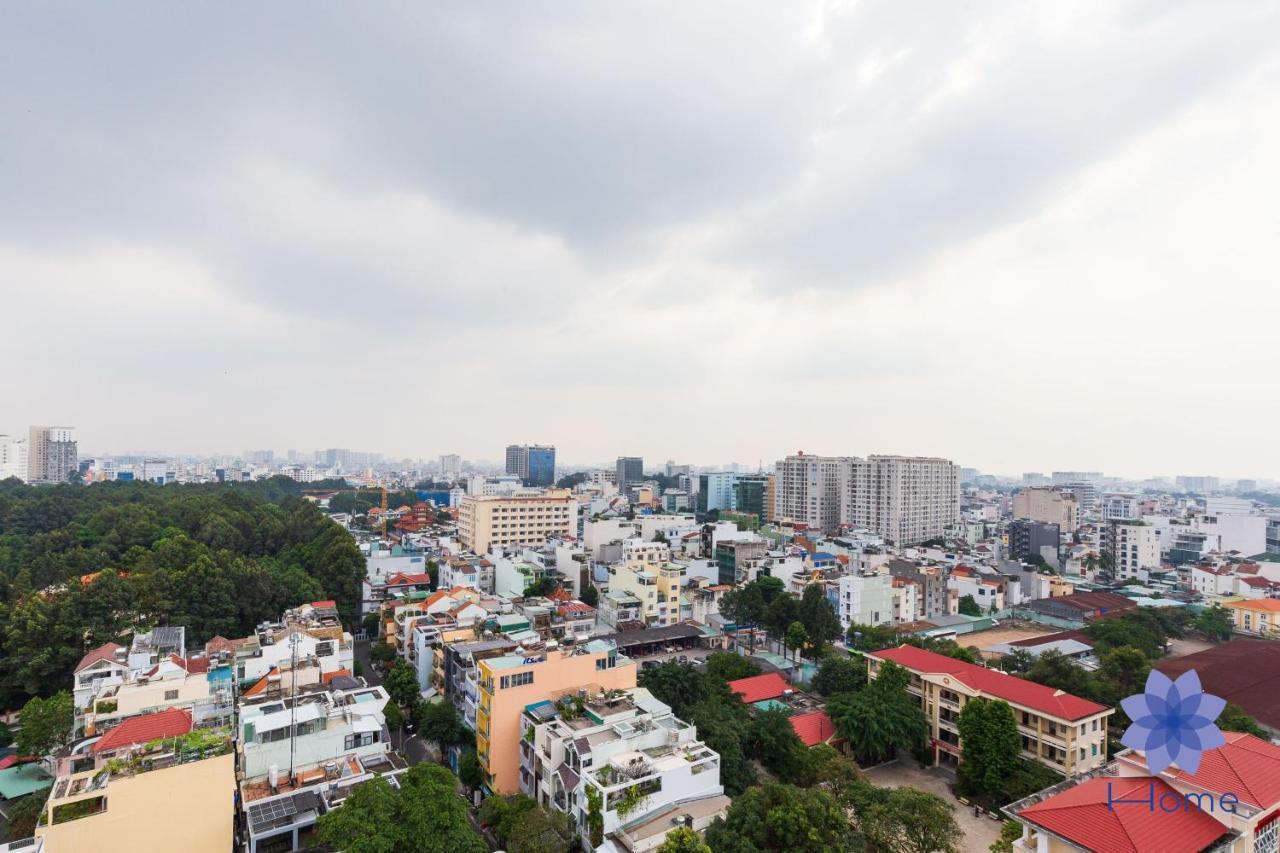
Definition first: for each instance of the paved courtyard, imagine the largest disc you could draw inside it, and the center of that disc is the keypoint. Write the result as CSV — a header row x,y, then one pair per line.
x,y
1184,647
979,832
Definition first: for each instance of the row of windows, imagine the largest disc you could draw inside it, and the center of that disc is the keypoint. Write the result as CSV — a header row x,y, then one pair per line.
x,y
520,679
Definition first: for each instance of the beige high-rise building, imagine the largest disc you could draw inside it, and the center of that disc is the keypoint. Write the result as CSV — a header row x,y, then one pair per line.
x,y
808,490
1050,506
514,520
52,454
905,499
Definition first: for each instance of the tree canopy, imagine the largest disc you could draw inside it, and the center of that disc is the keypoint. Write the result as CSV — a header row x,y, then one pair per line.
x,y
84,565
992,745
777,817
424,816
880,719
839,673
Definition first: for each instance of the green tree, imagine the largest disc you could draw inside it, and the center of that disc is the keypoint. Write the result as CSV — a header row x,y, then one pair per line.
x,y
777,817
45,724
433,818
796,637
820,622
367,821
773,740
402,684
595,817
880,719
1017,662
682,686
439,723
470,772
25,814
393,717
381,652
724,726
781,612
969,606
682,839
726,666
872,638
992,746
1215,623
591,595
1122,672
1234,719
908,820
1010,831
745,608
839,673
1053,669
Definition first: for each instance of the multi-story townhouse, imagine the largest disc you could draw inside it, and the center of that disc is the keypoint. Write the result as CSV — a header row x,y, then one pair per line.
x,y
1050,506
656,587
311,631
510,683
1134,547
630,749
286,729
1062,731
862,599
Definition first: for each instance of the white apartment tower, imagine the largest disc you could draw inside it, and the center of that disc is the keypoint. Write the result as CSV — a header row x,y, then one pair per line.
x,y
905,499
13,457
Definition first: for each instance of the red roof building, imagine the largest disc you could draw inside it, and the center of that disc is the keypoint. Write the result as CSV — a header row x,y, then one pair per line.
x,y
994,684
814,727
148,727
106,651
1064,732
758,688
1090,816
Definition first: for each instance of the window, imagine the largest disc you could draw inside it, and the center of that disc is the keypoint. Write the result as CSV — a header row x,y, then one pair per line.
x,y
361,739
170,695
1095,749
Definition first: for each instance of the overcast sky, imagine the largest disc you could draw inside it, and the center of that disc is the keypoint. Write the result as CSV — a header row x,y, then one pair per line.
x,y
1025,237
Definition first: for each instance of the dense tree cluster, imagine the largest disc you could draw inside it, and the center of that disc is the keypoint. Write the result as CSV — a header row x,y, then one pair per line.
x,y
765,603
83,565
423,816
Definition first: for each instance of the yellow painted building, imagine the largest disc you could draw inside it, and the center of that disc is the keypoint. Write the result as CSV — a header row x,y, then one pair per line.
x,y
1259,617
656,586
188,807
510,683
487,520
1059,730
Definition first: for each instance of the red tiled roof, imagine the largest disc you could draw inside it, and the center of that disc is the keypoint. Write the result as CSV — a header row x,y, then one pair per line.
x,y
994,684
1256,582
1241,671
758,688
405,578
814,727
106,651
1082,816
1246,766
1268,605
148,727
330,676
261,684
324,605
10,760
576,607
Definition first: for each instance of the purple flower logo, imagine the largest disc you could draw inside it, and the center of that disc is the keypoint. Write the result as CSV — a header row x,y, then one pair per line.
x,y
1173,721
